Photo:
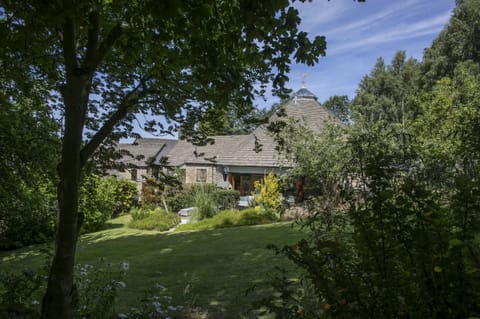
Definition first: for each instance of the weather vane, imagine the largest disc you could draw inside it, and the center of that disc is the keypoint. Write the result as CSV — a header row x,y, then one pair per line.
x,y
304,76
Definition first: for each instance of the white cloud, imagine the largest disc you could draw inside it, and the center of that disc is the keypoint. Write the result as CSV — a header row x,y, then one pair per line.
x,y
402,31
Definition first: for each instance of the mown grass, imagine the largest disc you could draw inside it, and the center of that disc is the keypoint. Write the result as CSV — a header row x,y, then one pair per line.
x,y
223,263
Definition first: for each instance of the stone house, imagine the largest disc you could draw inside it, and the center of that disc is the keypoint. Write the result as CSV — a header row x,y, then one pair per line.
x,y
233,160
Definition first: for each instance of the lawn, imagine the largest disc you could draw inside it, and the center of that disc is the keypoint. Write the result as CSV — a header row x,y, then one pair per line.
x,y
220,265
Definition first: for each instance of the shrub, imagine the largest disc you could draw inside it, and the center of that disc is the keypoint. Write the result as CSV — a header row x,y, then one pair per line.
x,y
204,200
152,190
95,203
104,198
232,218
154,220
227,199
139,213
125,195
256,216
180,199
20,292
267,193
27,216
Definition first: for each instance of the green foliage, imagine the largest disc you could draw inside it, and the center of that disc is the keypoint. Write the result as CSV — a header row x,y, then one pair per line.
x,y
232,122
139,213
156,219
400,246
152,192
204,200
385,94
19,293
104,198
232,218
179,200
321,173
29,216
340,107
125,195
215,198
98,287
396,235
267,193
28,154
457,43
227,199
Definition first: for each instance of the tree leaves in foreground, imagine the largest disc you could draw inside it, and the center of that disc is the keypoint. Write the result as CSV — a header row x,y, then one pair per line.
x,y
28,152
396,234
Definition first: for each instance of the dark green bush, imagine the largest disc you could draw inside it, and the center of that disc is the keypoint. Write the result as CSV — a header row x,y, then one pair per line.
x,y
104,198
125,195
154,220
27,216
227,199
222,199
179,200
20,293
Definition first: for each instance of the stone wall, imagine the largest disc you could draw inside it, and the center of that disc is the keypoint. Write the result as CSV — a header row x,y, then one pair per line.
x,y
202,174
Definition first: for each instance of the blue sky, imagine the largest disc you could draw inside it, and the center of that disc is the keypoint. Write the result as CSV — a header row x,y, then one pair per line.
x,y
358,34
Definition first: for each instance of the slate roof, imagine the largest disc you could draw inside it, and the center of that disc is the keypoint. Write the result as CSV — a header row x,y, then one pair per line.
x,y
239,150
144,150
310,113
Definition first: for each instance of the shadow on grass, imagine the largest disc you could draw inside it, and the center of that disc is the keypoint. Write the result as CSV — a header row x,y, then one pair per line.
x,y
113,225
218,266
224,263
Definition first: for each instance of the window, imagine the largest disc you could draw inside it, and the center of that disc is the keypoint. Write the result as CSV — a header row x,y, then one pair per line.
x,y
244,183
201,175
133,174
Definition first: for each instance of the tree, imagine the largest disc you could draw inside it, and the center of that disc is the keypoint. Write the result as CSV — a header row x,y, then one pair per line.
x,y
385,94
105,62
232,122
459,41
28,150
340,106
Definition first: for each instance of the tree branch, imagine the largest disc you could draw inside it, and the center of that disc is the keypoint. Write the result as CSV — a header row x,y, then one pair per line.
x,y
122,111
92,42
107,45
68,44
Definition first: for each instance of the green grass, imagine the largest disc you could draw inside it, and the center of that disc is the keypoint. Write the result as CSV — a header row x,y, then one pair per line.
x,y
224,262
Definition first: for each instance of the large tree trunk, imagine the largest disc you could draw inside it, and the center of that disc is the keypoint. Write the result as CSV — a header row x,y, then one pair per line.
x,y
60,298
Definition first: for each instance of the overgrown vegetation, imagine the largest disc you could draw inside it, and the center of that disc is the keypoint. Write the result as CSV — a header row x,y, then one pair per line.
x,y
208,196
104,198
153,219
204,201
395,229
29,149
267,193
233,218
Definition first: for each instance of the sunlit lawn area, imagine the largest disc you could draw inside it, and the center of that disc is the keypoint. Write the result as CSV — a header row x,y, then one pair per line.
x,y
220,264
